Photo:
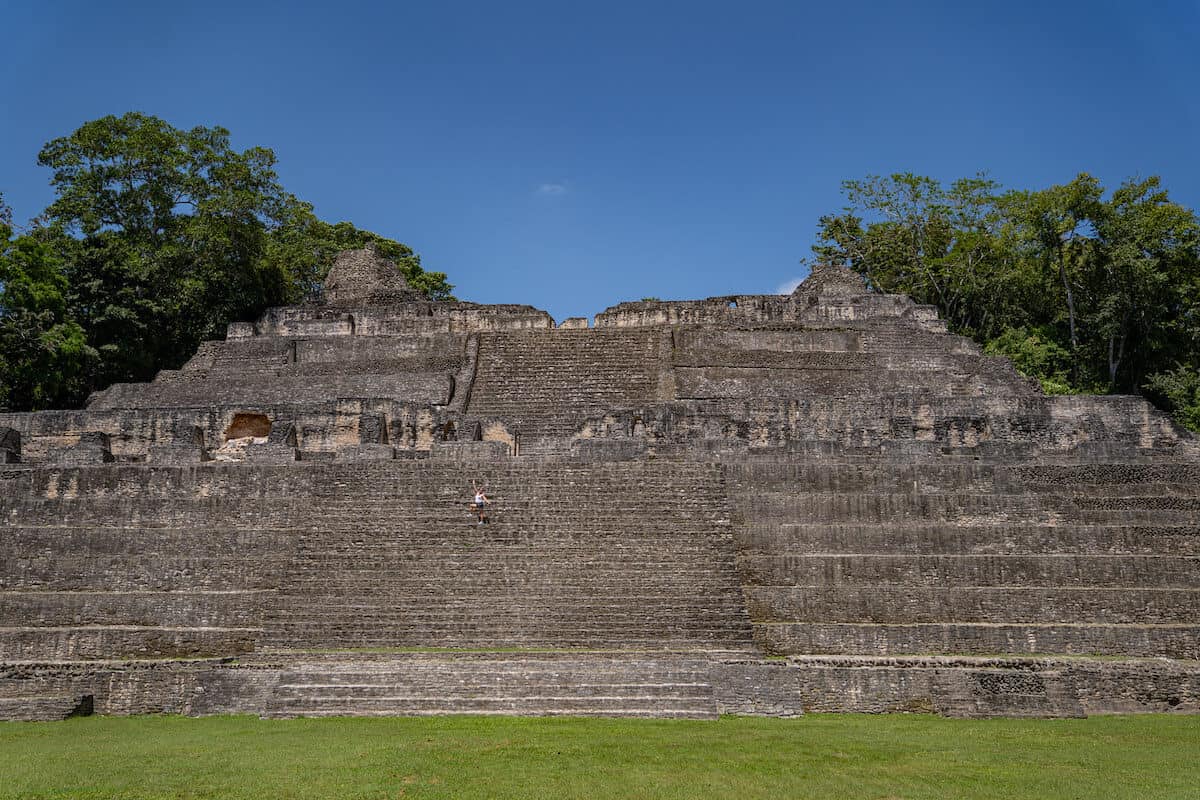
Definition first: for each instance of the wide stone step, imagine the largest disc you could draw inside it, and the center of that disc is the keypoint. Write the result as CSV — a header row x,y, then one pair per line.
x,y
365,478
479,619
971,570
951,539
581,691
332,634
123,641
901,509
649,712
1184,475
1166,641
678,519
502,608
590,604
1136,517
587,504
636,675
480,632
635,670
1006,693
834,683
1024,604
616,684
24,541
483,639
134,573
406,705
536,581
233,609
36,708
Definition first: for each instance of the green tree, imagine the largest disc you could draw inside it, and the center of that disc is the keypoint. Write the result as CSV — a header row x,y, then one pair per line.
x,y
1082,292
909,234
164,229
1179,390
1036,354
1147,292
304,247
1051,226
45,360
166,235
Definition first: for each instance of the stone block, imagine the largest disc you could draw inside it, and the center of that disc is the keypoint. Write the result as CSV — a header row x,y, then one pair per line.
x,y
469,451
240,330
609,449
92,447
975,693
176,453
366,452
270,453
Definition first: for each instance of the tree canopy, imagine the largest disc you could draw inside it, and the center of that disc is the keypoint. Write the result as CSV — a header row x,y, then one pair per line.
x,y
157,238
1086,292
44,353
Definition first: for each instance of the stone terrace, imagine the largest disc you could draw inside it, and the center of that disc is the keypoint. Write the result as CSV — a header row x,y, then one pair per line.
x,y
748,504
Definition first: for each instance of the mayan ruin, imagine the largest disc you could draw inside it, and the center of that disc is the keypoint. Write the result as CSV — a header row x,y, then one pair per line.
x,y
753,504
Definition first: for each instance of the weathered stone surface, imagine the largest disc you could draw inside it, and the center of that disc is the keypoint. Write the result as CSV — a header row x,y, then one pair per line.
x,y
755,504
829,281
364,277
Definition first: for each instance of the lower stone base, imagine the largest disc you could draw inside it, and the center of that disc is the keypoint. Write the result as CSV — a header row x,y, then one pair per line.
x,y
998,687
698,685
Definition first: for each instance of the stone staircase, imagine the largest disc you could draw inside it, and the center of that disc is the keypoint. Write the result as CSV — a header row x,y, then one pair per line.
x,y
621,684
546,383
609,556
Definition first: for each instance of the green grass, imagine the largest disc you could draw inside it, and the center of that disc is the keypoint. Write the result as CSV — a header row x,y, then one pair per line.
x,y
818,756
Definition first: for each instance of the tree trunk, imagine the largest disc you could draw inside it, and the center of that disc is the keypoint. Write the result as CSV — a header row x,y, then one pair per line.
x,y
1112,362
1062,273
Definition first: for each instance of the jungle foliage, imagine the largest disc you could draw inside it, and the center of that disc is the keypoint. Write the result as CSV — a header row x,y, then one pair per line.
x,y
1085,290
156,240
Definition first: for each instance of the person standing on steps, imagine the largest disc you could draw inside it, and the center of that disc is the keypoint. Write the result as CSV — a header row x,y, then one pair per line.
x,y
481,500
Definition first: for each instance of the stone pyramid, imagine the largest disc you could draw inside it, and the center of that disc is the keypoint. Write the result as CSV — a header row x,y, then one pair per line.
x,y
752,504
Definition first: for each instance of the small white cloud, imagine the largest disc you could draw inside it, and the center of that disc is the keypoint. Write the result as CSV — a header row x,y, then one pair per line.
x,y
549,189
789,286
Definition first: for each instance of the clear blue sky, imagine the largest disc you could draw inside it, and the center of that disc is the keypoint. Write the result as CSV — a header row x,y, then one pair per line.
x,y
573,155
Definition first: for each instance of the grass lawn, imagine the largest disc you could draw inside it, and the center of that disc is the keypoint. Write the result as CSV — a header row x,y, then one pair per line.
x,y
818,756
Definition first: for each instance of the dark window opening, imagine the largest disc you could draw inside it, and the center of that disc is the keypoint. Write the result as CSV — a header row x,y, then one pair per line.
x,y
85,707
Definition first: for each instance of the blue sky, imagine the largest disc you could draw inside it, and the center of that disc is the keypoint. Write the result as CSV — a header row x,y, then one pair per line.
x,y
573,155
